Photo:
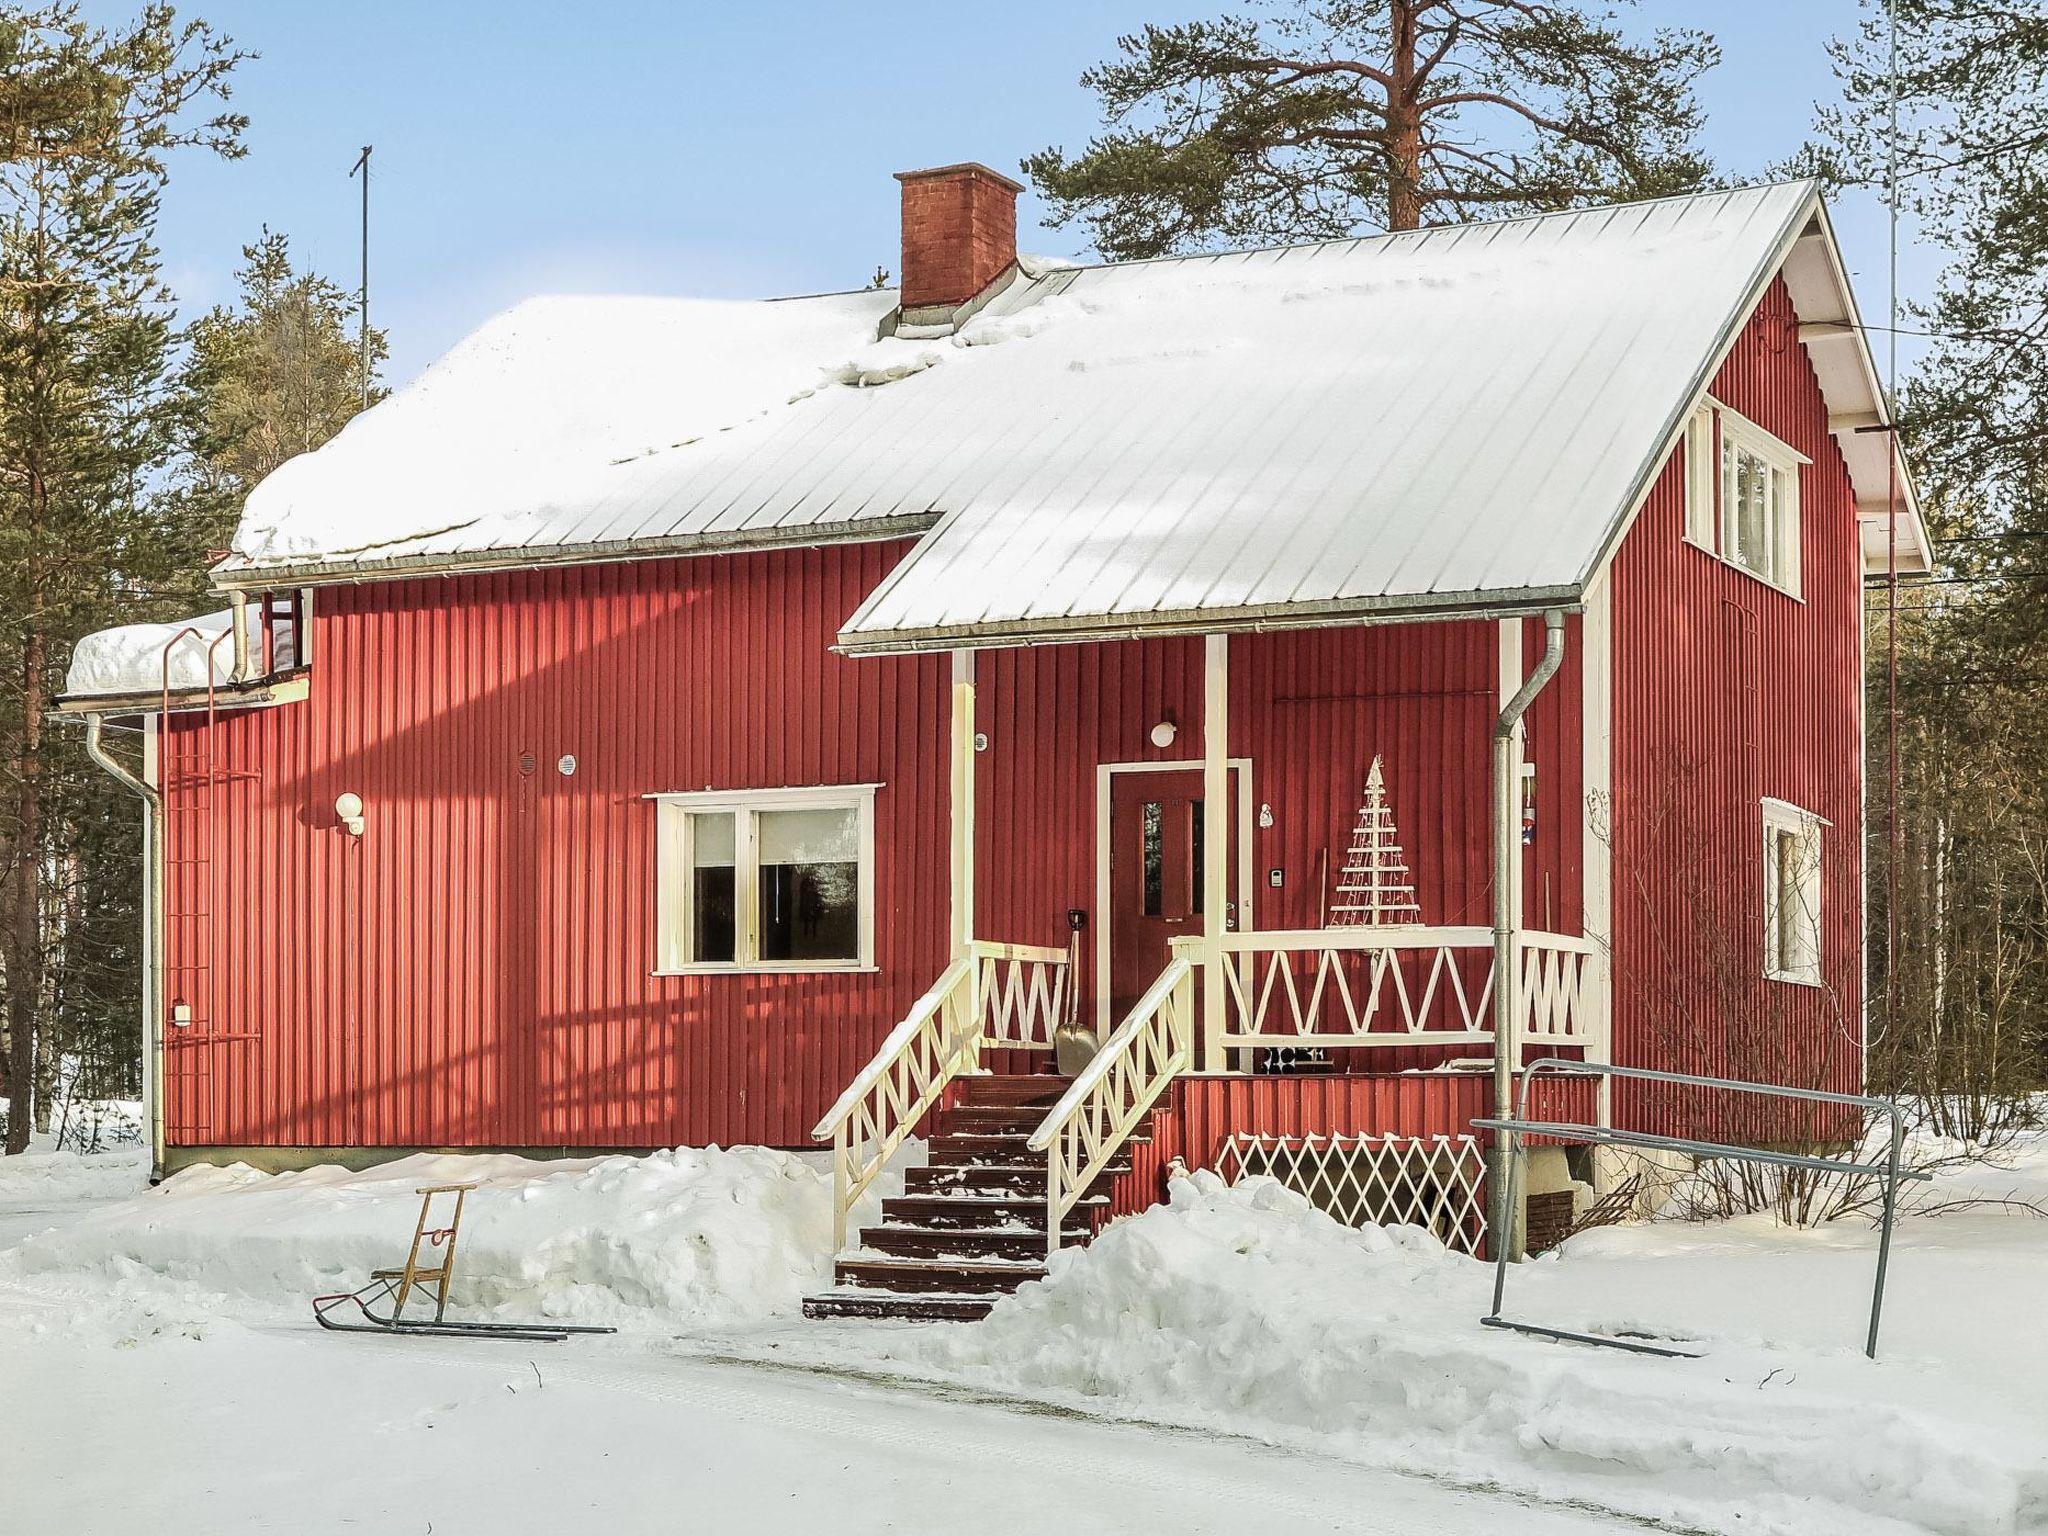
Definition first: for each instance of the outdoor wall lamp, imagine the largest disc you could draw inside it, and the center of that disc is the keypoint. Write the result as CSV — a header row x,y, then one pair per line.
x,y
349,807
1163,733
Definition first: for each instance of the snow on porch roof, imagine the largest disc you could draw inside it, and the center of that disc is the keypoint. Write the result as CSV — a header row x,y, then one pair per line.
x,y
1442,421
1416,422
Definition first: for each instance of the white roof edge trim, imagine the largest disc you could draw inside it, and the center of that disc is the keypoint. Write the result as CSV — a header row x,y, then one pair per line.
x,y
1730,332
1876,400
1813,212
1423,608
332,573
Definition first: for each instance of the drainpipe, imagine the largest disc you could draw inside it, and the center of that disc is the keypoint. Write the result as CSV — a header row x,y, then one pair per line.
x,y
1507,921
153,931
238,608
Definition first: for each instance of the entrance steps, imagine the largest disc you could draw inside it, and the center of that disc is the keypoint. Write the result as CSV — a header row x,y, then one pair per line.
x,y
969,1227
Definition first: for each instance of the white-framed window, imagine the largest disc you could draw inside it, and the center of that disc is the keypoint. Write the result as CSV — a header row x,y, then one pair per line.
x,y
1742,495
1792,869
765,880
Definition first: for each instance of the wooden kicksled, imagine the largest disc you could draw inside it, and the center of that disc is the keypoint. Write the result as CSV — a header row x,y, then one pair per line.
x,y
428,1271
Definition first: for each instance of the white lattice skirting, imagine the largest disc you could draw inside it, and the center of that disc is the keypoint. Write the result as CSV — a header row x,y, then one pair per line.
x,y
1436,1182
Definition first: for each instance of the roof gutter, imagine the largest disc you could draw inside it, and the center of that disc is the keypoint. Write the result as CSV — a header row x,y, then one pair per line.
x,y
1525,602
324,573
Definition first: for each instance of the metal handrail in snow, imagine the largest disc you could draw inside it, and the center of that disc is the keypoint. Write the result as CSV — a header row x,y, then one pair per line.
x,y
1603,1135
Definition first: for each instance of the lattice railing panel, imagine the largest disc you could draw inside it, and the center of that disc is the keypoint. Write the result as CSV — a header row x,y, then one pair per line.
x,y
1438,1182
1023,994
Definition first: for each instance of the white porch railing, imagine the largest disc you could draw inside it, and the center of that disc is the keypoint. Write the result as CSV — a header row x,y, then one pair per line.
x,y
1404,984
1023,993
1105,1103
996,995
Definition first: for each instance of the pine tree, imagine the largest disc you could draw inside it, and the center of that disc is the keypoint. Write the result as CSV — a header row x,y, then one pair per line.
x,y
85,347
273,377
1957,1004
1305,119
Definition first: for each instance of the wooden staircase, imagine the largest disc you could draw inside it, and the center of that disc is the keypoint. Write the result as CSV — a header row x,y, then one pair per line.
x,y
969,1227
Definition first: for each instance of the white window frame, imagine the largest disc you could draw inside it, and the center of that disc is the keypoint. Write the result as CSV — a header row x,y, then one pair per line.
x,y
674,890
1713,436
1781,817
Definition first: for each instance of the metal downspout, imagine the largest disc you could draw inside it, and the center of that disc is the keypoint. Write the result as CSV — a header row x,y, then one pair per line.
x,y
238,607
1502,1229
153,927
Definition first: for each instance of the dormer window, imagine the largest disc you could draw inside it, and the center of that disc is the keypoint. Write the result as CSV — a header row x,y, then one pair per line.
x,y
1742,495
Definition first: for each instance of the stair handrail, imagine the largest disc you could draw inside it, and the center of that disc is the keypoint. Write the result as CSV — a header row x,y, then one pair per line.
x,y
938,1040
1112,1095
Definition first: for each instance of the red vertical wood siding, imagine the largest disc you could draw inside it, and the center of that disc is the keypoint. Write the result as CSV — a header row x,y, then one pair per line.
x,y
1727,690
477,969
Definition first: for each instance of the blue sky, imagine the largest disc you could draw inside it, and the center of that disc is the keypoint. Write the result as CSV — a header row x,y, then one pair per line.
x,y
725,149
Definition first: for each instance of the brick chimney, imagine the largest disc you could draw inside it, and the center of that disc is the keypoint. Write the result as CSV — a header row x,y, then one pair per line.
x,y
959,234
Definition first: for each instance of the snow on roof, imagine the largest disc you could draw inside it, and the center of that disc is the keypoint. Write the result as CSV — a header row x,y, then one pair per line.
x,y
129,659
509,441
1455,416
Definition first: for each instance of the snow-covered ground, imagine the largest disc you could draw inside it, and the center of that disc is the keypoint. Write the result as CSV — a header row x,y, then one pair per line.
x,y
1232,1361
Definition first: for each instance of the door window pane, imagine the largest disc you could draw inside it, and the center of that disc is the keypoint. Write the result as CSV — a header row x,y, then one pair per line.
x,y
1154,862
809,884
713,876
1195,856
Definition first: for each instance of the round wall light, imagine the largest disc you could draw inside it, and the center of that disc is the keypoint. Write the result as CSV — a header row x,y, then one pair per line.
x,y
348,807
1163,733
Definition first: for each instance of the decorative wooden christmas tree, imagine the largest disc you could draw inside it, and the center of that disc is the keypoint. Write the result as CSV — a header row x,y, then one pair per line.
x,y
1373,886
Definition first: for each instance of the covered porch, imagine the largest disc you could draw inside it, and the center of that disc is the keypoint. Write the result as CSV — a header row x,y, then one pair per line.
x,y
1336,929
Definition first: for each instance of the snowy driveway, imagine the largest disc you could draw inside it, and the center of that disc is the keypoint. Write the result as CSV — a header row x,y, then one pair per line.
x,y
262,1430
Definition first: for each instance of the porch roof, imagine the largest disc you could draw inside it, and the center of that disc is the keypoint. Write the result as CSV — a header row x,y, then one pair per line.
x,y
1450,421
1435,422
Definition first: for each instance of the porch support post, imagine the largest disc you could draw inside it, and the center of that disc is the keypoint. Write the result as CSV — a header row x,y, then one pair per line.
x,y
962,842
1596,851
1217,853
1502,1226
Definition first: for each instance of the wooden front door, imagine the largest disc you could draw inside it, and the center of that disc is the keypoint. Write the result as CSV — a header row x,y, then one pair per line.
x,y
1157,846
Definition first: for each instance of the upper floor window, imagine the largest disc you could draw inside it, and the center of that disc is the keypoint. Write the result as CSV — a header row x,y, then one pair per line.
x,y
766,879
1792,888
1742,495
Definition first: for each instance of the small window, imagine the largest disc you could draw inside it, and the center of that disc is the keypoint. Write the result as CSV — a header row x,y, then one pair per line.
x,y
1742,495
1792,892
778,879
1154,863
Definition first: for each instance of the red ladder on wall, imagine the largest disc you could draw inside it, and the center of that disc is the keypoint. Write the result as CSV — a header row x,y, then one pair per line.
x,y
189,778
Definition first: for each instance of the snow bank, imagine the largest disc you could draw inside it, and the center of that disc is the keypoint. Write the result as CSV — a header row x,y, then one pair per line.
x,y
1243,1308
43,1176
517,423
130,657
690,1237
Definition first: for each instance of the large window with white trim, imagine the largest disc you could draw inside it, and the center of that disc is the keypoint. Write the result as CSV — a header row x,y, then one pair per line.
x,y
1742,495
766,879
1792,869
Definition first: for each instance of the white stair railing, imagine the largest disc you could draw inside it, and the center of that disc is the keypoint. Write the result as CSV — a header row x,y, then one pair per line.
x,y
1110,1098
938,1040
996,996
1023,991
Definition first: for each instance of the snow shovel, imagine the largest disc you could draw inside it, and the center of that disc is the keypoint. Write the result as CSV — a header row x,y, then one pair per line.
x,y
422,1274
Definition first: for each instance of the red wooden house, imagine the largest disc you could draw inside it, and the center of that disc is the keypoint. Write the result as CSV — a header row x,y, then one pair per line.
x,y
671,722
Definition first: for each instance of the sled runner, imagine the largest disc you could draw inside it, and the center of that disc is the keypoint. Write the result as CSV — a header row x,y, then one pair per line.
x,y
428,1271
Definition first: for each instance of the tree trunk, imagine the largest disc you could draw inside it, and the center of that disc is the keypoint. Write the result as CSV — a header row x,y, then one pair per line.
x,y
25,932
1404,124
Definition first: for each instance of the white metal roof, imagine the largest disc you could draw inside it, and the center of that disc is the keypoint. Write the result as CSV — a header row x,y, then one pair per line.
x,y
1433,421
